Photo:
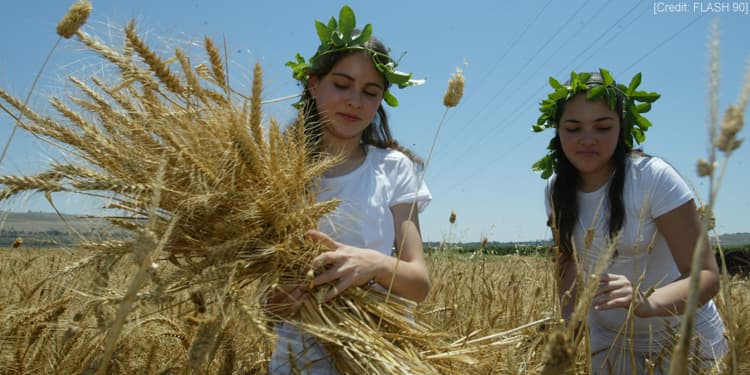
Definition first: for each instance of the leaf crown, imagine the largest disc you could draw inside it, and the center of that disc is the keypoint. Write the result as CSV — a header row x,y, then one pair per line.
x,y
341,35
596,87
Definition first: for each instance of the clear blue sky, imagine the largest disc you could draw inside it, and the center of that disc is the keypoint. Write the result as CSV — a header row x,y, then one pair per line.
x,y
481,164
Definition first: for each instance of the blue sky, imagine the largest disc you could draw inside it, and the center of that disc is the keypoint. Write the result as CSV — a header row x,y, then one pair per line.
x,y
481,164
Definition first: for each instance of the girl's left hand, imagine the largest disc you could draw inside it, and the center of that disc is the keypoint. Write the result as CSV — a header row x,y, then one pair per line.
x,y
349,265
616,292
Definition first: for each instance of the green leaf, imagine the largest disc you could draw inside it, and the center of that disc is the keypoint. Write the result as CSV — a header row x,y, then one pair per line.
x,y
390,99
582,79
559,94
643,107
324,33
347,22
606,77
364,36
595,93
644,96
332,25
399,78
544,165
538,166
555,84
573,79
634,83
299,67
638,135
643,122
538,128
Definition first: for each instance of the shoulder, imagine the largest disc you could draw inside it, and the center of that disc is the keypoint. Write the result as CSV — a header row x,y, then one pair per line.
x,y
654,178
647,163
390,159
651,168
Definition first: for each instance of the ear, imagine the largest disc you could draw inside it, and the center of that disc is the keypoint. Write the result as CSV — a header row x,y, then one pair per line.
x,y
312,84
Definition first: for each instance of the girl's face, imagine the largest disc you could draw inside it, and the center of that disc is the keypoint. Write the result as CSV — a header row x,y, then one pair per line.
x,y
348,97
589,132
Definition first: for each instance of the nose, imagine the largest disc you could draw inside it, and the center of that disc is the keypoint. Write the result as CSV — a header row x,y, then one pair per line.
x,y
587,137
355,99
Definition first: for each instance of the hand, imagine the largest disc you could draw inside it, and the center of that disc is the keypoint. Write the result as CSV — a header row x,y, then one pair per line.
x,y
348,265
616,291
285,301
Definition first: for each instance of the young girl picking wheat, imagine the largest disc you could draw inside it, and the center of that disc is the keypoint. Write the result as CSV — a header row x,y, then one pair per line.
x,y
377,182
628,219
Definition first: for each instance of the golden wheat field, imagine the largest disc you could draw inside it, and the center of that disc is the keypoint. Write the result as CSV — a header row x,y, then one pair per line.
x,y
52,325
216,202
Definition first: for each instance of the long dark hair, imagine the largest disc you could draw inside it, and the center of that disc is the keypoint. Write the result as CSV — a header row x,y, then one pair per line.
x,y
567,180
378,133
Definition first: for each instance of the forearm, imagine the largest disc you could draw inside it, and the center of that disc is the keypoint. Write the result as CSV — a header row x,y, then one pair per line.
x,y
409,279
671,299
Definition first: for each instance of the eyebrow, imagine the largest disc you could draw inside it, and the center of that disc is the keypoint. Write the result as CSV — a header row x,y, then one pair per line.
x,y
339,74
576,121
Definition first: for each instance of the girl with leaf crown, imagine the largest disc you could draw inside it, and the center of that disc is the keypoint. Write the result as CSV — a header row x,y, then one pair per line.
x,y
627,221
377,182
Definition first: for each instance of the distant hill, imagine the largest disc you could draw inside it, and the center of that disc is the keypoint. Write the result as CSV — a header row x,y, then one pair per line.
x,y
45,221
49,229
43,229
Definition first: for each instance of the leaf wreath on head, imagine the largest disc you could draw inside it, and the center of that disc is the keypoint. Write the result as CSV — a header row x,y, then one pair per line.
x,y
634,124
342,35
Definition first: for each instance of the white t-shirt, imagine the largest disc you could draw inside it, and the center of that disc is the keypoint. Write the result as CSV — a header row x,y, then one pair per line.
x,y
363,218
652,188
385,179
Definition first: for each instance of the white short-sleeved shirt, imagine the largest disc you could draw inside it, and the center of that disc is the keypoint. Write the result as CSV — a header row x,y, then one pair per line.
x,y
652,188
385,179
363,218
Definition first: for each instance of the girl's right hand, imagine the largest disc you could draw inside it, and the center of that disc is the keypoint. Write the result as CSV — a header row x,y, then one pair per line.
x,y
285,301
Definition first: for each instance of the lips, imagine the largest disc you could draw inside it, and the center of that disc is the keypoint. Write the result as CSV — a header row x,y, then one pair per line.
x,y
348,117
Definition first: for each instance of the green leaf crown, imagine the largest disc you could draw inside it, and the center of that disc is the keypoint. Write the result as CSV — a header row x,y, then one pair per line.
x,y
635,125
341,35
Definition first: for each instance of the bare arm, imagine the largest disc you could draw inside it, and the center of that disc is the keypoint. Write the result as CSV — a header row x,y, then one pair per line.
x,y
351,266
681,229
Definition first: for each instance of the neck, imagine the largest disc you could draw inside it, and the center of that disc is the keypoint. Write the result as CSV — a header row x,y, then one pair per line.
x,y
593,181
347,150
351,154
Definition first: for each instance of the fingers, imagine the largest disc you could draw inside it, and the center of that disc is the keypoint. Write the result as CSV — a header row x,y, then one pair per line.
x,y
323,239
327,276
615,291
614,303
328,257
610,282
341,285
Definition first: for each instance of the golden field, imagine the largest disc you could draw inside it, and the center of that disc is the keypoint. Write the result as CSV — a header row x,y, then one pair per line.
x,y
54,319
